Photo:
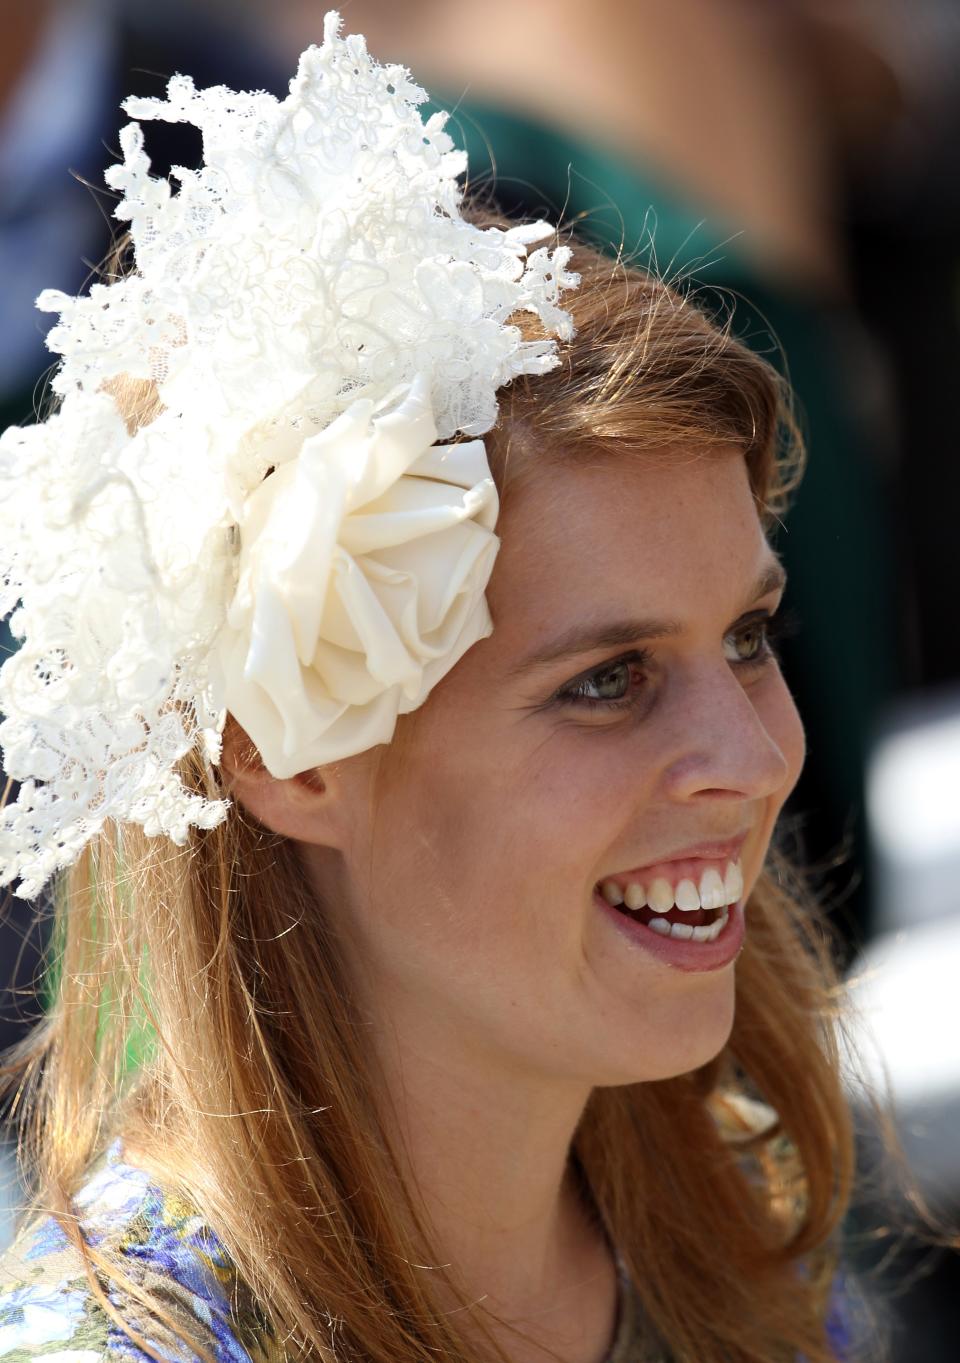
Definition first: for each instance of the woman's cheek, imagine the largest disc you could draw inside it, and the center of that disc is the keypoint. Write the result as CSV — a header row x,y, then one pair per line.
x,y
590,778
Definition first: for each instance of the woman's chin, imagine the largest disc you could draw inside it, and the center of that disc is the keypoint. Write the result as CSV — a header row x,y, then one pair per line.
x,y
682,1036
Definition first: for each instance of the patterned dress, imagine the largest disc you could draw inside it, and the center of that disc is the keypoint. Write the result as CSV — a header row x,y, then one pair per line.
x,y
49,1313
48,1310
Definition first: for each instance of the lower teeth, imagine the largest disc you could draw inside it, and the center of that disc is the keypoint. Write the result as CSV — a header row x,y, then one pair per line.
x,y
706,932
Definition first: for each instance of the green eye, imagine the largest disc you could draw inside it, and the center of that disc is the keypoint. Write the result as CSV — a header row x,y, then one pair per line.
x,y
750,643
609,684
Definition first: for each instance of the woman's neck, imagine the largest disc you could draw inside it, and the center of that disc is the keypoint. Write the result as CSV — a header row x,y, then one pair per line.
x,y
487,1154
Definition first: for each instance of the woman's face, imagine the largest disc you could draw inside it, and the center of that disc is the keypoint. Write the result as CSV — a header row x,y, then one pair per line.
x,y
625,723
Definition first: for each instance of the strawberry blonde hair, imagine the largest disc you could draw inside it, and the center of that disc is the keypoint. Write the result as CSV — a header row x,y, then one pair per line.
x,y
193,961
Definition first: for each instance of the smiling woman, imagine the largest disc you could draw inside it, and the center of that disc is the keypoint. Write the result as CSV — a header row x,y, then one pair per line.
x,y
481,1023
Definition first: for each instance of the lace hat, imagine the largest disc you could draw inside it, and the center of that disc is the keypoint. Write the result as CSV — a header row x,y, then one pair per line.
x,y
303,533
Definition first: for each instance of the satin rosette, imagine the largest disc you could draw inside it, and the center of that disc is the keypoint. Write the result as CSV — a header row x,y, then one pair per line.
x,y
362,571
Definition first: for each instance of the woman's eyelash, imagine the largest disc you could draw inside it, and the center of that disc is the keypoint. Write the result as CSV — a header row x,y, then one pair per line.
x,y
772,628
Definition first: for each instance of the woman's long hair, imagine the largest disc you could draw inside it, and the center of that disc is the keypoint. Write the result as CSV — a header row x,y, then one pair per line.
x,y
203,1011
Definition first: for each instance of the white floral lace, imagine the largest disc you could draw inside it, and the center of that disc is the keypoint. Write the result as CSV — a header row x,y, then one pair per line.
x,y
316,267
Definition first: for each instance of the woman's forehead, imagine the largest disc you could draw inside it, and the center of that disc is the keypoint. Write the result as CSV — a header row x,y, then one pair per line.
x,y
632,529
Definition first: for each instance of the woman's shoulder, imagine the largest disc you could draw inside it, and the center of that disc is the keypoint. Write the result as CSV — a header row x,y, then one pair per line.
x,y
50,1311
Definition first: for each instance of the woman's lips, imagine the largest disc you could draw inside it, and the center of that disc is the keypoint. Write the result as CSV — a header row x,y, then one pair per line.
x,y
686,909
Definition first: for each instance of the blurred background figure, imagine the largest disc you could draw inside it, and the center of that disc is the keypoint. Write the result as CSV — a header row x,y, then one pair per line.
x,y
796,158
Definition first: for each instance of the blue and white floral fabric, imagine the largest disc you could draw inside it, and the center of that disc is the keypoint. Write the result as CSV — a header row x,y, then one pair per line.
x,y
49,1312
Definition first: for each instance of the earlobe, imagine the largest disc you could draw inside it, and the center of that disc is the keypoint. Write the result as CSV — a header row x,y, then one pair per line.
x,y
304,807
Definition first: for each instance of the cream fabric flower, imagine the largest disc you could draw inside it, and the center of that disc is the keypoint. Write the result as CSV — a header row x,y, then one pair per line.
x,y
363,565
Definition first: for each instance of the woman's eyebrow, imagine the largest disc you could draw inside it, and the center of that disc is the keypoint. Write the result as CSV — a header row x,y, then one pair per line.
x,y
613,634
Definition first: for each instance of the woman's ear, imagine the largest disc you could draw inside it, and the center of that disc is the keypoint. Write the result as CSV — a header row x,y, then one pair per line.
x,y
308,807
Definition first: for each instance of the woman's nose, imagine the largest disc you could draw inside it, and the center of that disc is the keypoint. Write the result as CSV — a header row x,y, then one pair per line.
x,y
722,745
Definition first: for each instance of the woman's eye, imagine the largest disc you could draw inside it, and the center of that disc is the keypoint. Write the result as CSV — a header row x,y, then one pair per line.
x,y
612,684
751,642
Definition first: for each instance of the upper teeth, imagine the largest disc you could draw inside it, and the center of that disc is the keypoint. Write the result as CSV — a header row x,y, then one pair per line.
x,y
713,892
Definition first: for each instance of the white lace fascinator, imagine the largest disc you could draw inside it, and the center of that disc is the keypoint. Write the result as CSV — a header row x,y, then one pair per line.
x,y
303,533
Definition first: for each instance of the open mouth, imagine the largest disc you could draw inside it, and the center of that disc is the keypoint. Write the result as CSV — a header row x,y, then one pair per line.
x,y
688,910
